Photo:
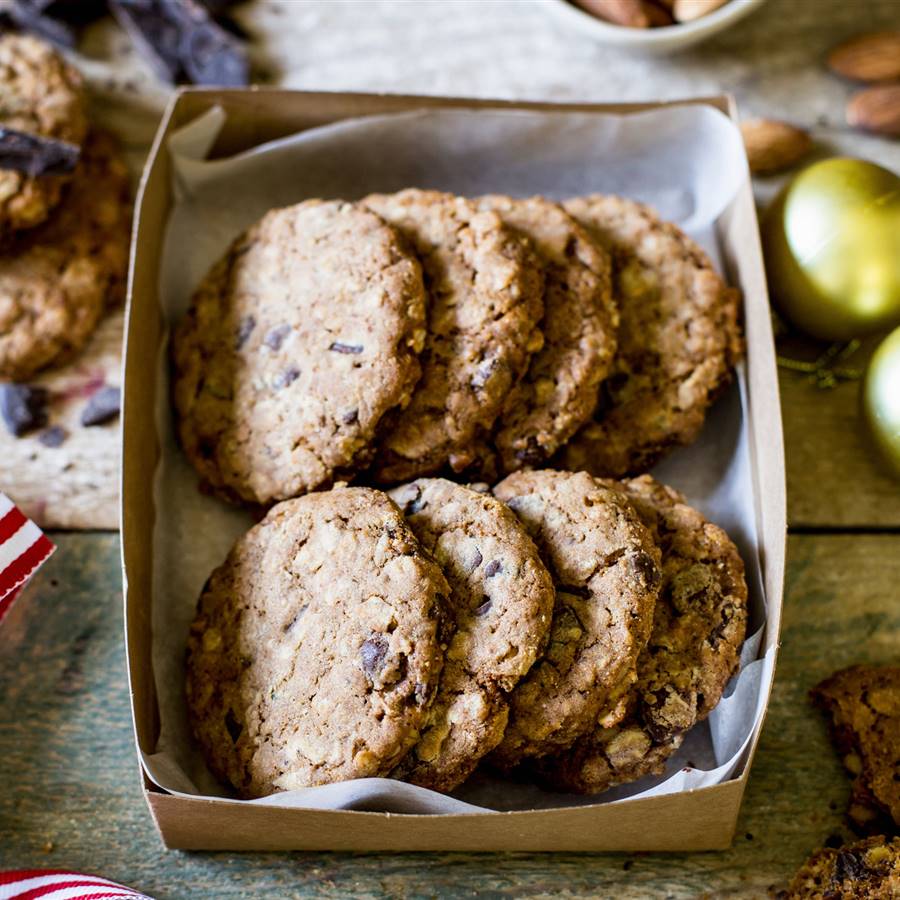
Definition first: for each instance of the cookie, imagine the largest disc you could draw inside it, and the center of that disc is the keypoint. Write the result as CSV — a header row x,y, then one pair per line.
x,y
57,279
868,870
296,344
315,652
694,649
501,601
41,94
679,338
606,569
558,393
485,292
864,705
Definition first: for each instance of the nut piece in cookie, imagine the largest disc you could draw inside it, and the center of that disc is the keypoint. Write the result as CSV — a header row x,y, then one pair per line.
x,y
679,338
485,291
558,393
41,94
864,705
694,648
315,655
606,568
868,870
56,280
296,344
501,601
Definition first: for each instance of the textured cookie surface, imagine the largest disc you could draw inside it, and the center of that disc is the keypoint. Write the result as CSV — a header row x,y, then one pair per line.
x,y
40,93
559,391
315,653
57,279
868,870
678,340
501,601
606,569
297,343
694,648
484,304
864,705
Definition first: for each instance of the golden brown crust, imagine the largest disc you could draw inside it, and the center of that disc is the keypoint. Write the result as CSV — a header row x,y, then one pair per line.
x,y
679,338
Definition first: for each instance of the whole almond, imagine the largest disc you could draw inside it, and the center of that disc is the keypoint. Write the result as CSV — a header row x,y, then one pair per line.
x,y
868,57
876,109
630,13
658,15
688,10
773,145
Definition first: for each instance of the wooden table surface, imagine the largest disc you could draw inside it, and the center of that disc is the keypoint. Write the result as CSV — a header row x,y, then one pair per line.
x,y
69,793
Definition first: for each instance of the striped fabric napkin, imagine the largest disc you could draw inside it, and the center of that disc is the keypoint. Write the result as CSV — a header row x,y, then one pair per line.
x,y
23,548
57,884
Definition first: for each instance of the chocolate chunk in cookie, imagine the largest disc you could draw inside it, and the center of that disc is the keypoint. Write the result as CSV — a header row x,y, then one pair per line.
x,y
606,568
678,340
315,654
868,870
694,648
41,95
558,393
501,601
295,346
864,705
484,303
57,280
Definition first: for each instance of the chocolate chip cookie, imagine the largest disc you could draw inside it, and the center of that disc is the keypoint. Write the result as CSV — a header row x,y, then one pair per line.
x,y
40,93
57,279
501,601
606,568
315,653
296,345
485,293
558,393
694,648
678,340
864,705
868,870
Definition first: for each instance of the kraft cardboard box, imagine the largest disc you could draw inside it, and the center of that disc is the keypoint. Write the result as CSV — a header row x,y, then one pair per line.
x,y
690,819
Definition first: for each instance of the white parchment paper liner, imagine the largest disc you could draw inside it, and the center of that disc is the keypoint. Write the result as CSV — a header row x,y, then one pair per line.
x,y
687,162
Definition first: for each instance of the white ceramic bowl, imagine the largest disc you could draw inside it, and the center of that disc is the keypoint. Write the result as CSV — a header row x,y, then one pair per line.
x,y
652,40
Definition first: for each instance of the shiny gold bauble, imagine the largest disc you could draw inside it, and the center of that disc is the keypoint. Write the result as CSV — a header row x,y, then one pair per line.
x,y
881,400
832,246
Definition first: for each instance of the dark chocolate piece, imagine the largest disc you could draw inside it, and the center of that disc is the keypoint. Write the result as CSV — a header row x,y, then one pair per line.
x,y
103,407
35,154
53,437
23,407
183,42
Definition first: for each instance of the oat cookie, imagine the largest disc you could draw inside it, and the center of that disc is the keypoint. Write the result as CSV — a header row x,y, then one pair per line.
x,y
864,705
679,338
485,294
42,94
501,601
606,568
868,870
315,655
57,279
558,393
296,345
694,648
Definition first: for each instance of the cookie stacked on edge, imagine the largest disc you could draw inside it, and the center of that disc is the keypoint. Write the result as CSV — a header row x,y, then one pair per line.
x,y
562,624
572,626
421,334
63,237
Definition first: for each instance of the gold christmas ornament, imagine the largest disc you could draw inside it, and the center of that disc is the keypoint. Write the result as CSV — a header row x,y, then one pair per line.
x,y
832,246
881,400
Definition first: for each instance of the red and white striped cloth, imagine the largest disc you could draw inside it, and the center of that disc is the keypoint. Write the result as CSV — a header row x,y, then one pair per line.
x,y
23,548
57,884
